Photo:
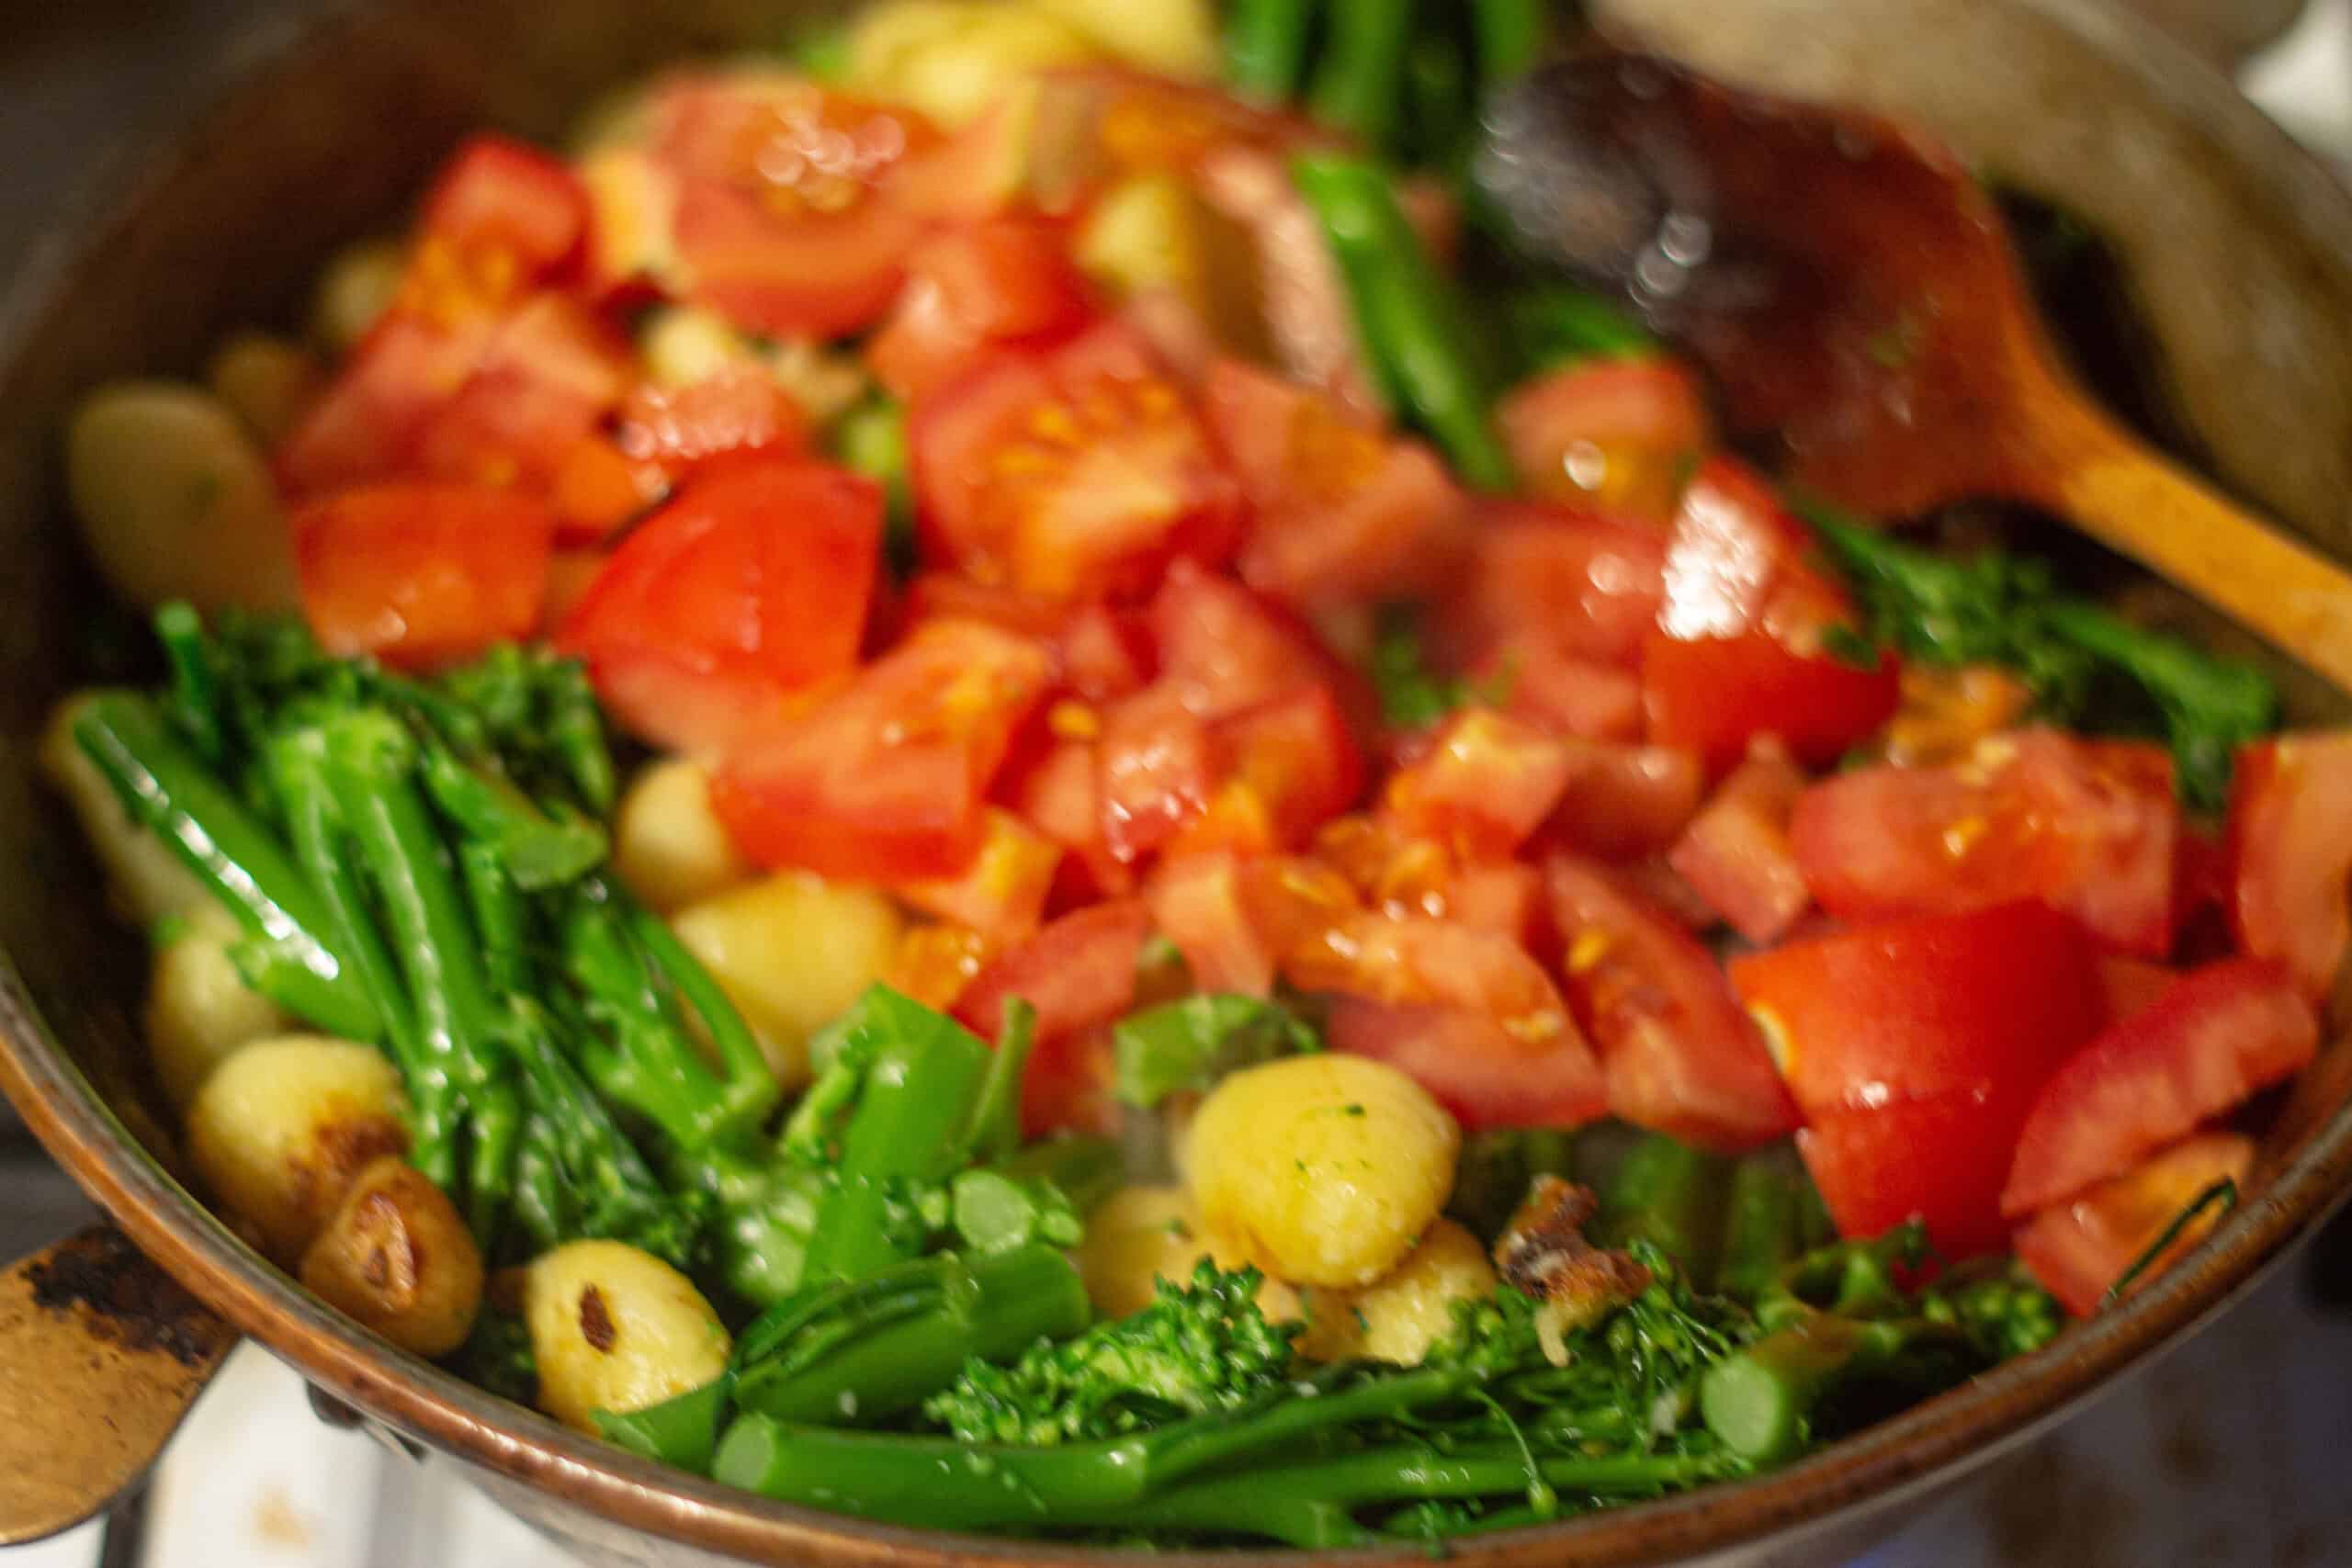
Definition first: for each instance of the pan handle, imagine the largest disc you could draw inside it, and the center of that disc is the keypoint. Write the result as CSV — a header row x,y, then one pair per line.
x,y
101,1354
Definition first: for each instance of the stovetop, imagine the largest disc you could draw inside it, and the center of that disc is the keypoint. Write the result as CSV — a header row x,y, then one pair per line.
x,y
2233,1451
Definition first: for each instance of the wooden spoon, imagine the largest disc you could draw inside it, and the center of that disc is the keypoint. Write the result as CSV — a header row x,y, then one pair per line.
x,y
1854,293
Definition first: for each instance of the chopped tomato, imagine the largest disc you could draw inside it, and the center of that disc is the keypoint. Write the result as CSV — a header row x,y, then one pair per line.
x,y
1001,894
1588,586
1340,512
1199,902
1741,644
2217,1035
1072,472
598,490
1945,714
736,409
1224,648
2087,827
782,219
545,379
1002,283
1155,765
1488,1077
1283,769
1915,1159
934,965
1678,1054
1079,974
2129,985
1486,784
2081,1248
505,214
1055,792
1627,803
883,780
1102,653
1736,855
2291,845
1567,695
751,585
1097,123
1617,434
1989,1004
419,574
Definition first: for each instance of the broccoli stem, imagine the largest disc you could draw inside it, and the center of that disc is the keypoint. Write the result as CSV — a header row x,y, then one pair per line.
x,y
1265,47
1410,319
870,1348
1672,1195
539,849
1762,1401
645,1061
1510,36
1358,85
1763,1226
289,955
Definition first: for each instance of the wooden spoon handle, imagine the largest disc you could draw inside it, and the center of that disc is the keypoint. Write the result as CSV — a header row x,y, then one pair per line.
x,y
2115,490
101,1354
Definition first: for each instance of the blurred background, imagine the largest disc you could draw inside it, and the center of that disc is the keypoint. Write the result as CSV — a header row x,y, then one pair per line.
x,y
2231,1453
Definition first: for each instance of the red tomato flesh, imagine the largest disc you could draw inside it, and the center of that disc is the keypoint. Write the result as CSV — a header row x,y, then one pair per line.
x,y
1079,974
1486,1076
422,574
2216,1035
883,780
1486,784
1001,283
2290,852
1001,894
1588,586
1680,1055
751,585
1937,1161
1615,435
2079,1249
1986,1003
1735,854
2087,827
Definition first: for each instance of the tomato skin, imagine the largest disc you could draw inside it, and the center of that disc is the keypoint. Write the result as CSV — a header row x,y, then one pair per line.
x,y
1079,974
752,584
422,574
2087,827
1002,895
497,194
1739,649
1989,1002
1736,855
1474,1066
2214,1037
1923,1159
1340,513
1589,586
1626,803
1678,1054
1615,435
2291,855
1073,472
1486,784
1002,282
883,780
2080,1248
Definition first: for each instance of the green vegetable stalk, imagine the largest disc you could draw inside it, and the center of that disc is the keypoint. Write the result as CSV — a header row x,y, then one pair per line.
x,y
1672,1196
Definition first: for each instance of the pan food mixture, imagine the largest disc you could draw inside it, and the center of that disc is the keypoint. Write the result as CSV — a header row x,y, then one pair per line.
x,y
976,777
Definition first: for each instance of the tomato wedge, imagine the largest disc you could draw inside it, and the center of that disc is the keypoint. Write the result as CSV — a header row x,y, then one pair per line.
x,y
1984,1003
1735,854
1001,283
1002,895
2291,850
1072,473
750,586
1616,435
1740,648
1340,512
736,409
2214,1037
1937,1161
501,213
421,574
1199,902
781,218
1680,1055
883,780
1484,785
2088,826
1281,770
1626,803
1566,694
1589,586
1222,648
2079,1249
1079,974
1486,1076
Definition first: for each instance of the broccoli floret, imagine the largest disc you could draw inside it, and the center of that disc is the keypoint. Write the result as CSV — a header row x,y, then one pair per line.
x,y
1199,1346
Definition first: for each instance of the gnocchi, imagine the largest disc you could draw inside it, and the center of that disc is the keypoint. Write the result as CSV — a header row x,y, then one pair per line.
x,y
669,846
793,951
1400,1316
281,1129
199,1010
613,1329
1321,1169
267,382
955,59
398,1257
1140,1236
1172,37
356,287
176,500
